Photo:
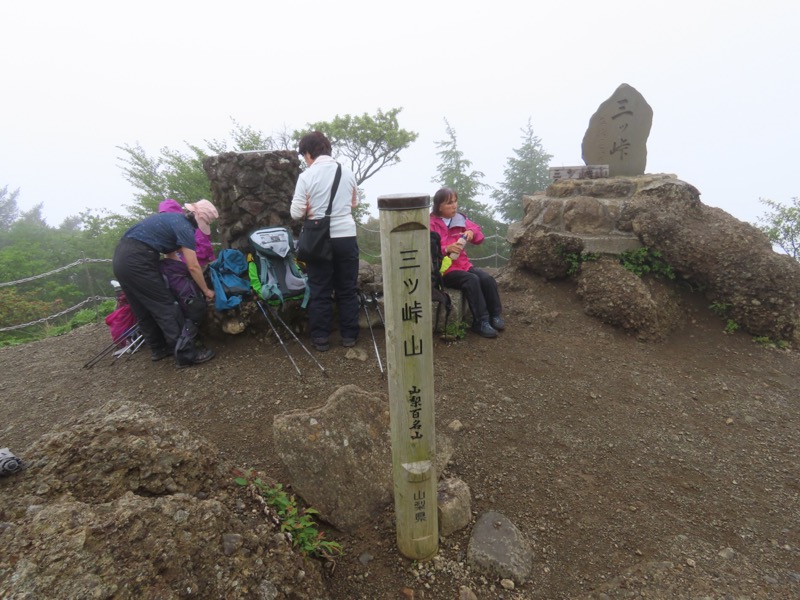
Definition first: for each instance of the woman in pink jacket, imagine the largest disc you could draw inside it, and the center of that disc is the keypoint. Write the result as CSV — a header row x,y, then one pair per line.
x,y
478,286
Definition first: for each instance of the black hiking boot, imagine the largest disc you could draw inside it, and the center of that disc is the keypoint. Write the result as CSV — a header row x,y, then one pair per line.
x,y
159,354
199,357
483,329
498,323
321,344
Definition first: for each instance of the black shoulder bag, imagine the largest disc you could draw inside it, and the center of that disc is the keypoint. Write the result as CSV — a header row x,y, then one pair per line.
x,y
315,236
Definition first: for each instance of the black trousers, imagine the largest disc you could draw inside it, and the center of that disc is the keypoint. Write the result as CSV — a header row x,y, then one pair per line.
x,y
136,267
481,292
337,281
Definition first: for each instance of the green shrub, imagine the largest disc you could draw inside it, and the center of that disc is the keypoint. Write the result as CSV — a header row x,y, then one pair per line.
x,y
768,342
297,522
455,330
731,326
646,261
575,259
720,308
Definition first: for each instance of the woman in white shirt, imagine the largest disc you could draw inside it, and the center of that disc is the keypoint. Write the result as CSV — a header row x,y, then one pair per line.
x,y
337,279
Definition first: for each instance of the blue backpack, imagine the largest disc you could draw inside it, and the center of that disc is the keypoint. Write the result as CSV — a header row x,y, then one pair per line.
x,y
229,277
274,273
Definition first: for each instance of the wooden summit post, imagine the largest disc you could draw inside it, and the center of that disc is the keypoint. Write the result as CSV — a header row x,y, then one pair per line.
x,y
405,252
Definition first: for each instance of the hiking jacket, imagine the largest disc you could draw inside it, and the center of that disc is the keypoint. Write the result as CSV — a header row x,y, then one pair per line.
x,y
164,232
313,192
458,225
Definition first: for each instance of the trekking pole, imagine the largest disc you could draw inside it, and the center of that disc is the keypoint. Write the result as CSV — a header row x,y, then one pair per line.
x,y
98,357
378,307
294,335
108,349
277,335
133,347
371,332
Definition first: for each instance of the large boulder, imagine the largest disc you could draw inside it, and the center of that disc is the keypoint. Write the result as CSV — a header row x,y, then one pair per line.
x,y
124,504
731,262
646,307
339,455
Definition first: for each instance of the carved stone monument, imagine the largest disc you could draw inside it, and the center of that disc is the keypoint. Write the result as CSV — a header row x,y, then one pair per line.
x,y
617,133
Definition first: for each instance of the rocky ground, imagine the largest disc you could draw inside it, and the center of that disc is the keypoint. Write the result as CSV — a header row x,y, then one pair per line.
x,y
658,470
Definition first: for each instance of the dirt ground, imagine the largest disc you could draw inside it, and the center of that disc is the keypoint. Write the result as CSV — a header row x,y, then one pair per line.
x,y
658,470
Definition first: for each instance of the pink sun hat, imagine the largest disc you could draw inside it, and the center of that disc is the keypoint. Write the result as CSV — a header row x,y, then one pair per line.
x,y
205,213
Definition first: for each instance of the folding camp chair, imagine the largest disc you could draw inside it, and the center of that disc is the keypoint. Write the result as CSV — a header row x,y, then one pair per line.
x,y
124,343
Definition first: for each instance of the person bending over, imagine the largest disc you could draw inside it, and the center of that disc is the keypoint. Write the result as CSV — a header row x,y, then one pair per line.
x,y
136,267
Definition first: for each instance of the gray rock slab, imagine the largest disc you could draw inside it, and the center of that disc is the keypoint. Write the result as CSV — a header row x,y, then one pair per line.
x,y
498,549
618,132
339,455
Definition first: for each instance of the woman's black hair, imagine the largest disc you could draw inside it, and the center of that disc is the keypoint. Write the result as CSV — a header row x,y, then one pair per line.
x,y
315,144
190,216
442,196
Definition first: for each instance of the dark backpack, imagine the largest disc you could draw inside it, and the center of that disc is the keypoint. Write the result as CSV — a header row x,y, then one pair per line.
x,y
438,294
179,281
275,275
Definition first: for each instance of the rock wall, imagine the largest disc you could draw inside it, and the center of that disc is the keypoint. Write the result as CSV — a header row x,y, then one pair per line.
x,y
251,190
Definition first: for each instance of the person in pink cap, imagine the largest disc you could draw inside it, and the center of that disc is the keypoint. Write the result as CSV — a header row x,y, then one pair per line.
x,y
204,250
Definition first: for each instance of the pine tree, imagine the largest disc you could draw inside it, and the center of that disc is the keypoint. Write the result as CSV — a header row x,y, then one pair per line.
x,y
456,172
525,174
9,210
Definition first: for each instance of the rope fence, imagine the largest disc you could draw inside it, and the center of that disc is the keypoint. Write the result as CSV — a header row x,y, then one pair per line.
x,y
55,316
53,272
89,300
497,255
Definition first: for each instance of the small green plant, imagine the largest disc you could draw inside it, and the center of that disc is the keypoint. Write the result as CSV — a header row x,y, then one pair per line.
x,y
768,342
575,259
731,326
297,522
720,308
646,261
456,330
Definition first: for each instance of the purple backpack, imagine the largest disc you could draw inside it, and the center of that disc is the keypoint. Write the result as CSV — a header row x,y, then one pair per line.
x,y
180,282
